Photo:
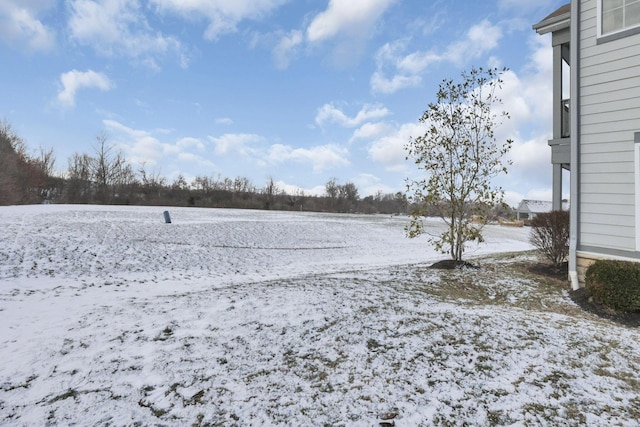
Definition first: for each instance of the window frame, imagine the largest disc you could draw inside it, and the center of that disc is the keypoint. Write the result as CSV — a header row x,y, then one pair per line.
x,y
613,35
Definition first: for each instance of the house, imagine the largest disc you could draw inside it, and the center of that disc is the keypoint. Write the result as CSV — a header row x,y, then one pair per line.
x,y
528,209
596,126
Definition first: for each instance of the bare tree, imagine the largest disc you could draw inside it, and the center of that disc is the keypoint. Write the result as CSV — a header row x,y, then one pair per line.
x,y
21,181
10,141
45,161
202,184
270,191
108,169
349,192
348,195
460,156
180,183
79,178
11,155
331,187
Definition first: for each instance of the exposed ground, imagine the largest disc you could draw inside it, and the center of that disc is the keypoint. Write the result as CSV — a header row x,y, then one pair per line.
x,y
110,317
580,296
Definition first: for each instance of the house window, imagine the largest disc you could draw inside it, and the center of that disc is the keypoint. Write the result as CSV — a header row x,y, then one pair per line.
x,y
618,15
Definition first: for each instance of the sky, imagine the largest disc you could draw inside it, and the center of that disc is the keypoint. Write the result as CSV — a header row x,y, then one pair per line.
x,y
298,91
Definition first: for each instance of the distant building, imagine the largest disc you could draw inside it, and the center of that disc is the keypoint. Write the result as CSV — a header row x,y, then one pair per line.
x,y
528,209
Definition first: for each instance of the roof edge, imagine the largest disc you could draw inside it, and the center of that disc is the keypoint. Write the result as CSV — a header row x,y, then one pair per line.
x,y
558,20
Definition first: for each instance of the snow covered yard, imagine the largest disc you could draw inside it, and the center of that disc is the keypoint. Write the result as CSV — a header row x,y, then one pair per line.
x,y
111,317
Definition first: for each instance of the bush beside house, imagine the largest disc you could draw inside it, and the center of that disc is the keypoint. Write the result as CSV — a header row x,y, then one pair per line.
x,y
615,284
550,234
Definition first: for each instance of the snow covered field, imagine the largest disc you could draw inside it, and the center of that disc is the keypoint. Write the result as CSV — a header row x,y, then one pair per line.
x,y
108,316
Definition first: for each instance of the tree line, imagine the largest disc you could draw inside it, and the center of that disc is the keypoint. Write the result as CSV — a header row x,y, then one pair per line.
x,y
104,176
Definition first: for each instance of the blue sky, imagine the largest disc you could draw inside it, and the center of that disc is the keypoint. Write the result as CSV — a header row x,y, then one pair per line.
x,y
300,91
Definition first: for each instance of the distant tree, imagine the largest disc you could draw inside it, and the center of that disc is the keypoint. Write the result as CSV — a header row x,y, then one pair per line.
x,y
108,169
11,157
349,191
296,199
21,180
180,183
460,157
242,185
400,202
331,188
348,195
226,184
153,183
270,192
201,184
78,188
45,161
10,142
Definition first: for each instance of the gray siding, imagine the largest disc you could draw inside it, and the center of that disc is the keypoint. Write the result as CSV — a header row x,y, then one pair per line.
x,y
609,117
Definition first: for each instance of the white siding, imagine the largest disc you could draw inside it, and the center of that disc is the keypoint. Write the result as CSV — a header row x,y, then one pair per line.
x,y
609,117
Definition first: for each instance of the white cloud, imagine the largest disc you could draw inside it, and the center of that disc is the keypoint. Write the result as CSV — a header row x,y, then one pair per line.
x,y
189,142
406,69
527,97
74,80
390,56
19,25
293,189
223,15
530,156
518,101
120,28
382,84
353,17
371,131
286,48
370,185
480,38
330,114
195,159
224,121
389,150
513,198
142,147
236,142
417,62
252,147
537,87
321,157
347,23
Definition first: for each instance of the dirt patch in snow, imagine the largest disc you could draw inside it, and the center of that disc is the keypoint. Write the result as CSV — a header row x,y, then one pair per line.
x,y
580,296
549,270
451,264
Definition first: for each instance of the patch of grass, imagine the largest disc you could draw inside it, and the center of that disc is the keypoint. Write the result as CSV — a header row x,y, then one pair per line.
x,y
26,384
373,345
71,393
503,279
165,334
629,378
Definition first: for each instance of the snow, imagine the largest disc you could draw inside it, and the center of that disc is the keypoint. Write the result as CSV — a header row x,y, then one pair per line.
x,y
226,317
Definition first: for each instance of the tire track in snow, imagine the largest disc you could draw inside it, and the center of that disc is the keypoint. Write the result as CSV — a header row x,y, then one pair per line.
x,y
102,246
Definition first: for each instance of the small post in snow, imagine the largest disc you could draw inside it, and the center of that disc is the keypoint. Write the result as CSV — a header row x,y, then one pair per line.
x,y
167,218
